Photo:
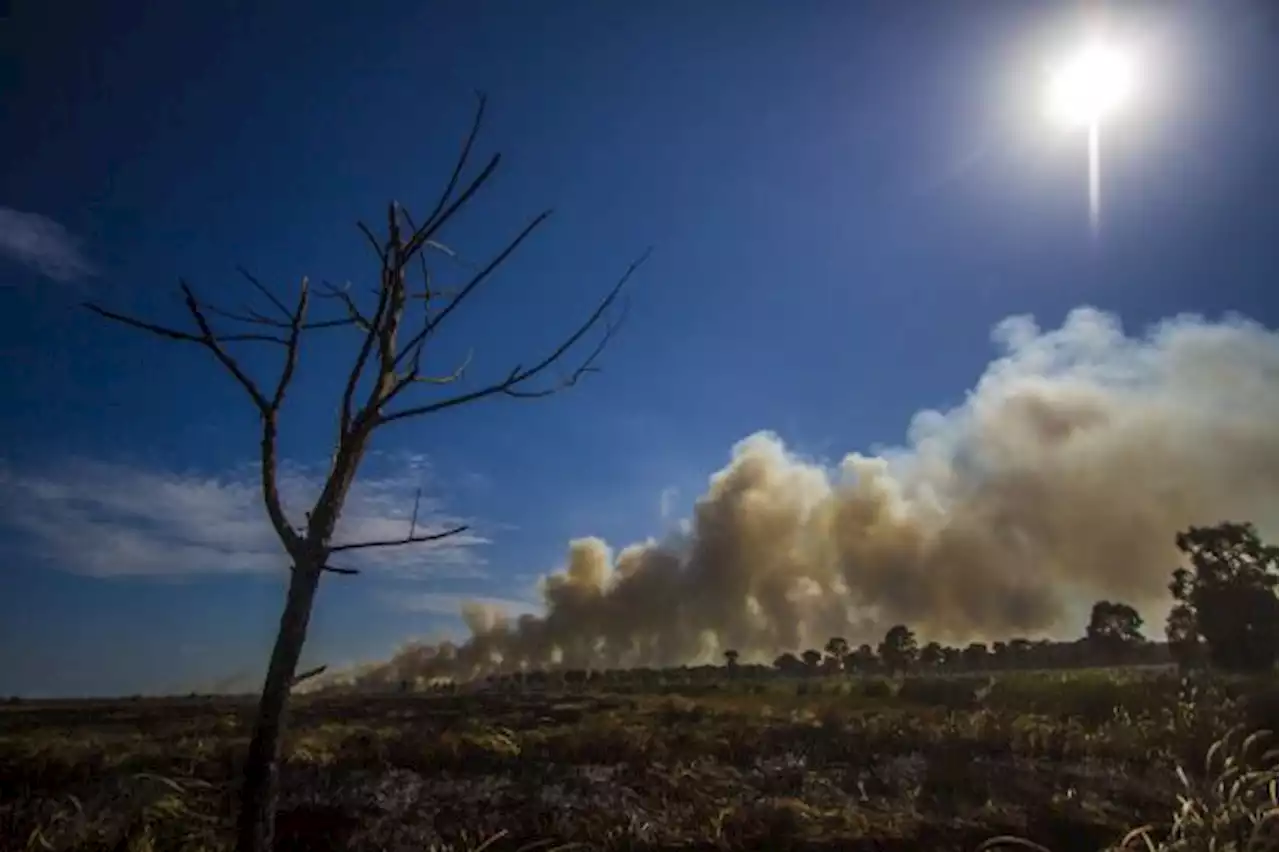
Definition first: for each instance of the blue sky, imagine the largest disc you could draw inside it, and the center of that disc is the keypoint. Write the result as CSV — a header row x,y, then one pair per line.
x,y
843,199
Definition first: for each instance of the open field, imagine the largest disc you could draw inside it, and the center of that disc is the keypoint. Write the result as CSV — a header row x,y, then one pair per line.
x,y
1070,760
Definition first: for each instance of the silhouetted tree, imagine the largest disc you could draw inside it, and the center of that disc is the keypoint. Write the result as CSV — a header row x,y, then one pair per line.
x,y
861,659
788,663
812,659
1185,644
1020,652
931,655
1229,595
731,659
1114,629
974,656
898,650
392,331
837,649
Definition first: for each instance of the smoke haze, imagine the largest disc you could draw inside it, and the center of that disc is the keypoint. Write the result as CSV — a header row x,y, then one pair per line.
x,y
1062,477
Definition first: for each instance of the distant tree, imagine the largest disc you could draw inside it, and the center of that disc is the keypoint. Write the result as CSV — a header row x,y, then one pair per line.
x,y
812,659
898,650
788,663
861,659
951,656
1020,652
1000,654
392,331
974,656
1114,629
1229,595
837,649
731,659
931,655
1186,646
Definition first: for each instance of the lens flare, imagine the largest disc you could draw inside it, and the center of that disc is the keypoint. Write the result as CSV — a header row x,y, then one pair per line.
x,y
1086,90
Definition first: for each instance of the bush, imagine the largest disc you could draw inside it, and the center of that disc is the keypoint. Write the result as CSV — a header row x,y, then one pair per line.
x,y
957,692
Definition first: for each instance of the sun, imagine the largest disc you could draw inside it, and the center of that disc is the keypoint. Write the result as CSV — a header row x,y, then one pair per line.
x,y
1091,85
1086,90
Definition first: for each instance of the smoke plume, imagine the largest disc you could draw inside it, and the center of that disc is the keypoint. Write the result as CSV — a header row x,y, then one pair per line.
x,y
1063,477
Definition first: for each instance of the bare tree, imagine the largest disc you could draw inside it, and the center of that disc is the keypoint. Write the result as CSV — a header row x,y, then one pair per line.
x,y
377,391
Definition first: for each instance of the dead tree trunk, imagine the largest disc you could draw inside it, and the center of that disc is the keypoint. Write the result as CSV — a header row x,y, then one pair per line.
x,y
384,371
258,795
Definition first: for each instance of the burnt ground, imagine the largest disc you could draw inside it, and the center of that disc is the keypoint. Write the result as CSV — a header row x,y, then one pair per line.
x,y
728,768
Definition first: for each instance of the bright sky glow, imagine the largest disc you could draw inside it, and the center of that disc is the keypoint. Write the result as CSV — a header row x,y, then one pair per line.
x,y
1091,85
1087,89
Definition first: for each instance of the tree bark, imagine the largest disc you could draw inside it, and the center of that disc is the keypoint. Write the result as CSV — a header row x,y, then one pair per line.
x,y
255,831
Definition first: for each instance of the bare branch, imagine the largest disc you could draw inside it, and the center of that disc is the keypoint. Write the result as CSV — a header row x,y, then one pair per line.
x,y
410,539
432,324
249,316
163,331
308,674
393,286
205,338
481,102
267,408
291,356
445,380
362,358
342,294
427,292
333,569
264,291
378,248
431,226
510,386
254,318
211,342
586,366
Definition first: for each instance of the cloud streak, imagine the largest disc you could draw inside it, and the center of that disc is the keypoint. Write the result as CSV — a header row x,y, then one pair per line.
x,y
667,502
1063,476
108,519
41,244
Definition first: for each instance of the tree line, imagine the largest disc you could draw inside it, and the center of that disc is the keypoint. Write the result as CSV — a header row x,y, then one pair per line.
x,y
1225,616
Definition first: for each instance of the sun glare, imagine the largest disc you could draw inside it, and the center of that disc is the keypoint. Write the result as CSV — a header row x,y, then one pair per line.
x,y
1086,90
1091,85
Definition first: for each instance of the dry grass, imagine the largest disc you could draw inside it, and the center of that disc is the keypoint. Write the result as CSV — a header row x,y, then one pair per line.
x,y
1070,763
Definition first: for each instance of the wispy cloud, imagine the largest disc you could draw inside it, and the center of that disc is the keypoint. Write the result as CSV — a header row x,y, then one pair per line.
x,y
452,604
667,502
108,519
42,244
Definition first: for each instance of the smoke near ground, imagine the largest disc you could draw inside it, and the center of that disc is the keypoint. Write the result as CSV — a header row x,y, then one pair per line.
x,y
1063,476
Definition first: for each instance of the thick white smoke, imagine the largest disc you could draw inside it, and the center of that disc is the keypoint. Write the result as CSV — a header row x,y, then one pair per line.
x,y
1063,476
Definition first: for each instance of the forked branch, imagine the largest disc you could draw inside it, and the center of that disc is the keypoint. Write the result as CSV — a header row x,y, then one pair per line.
x,y
515,382
268,407
398,542
411,538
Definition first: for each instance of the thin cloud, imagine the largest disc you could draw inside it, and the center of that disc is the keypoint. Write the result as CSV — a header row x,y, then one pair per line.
x,y
42,244
452,604
107,519
667,502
